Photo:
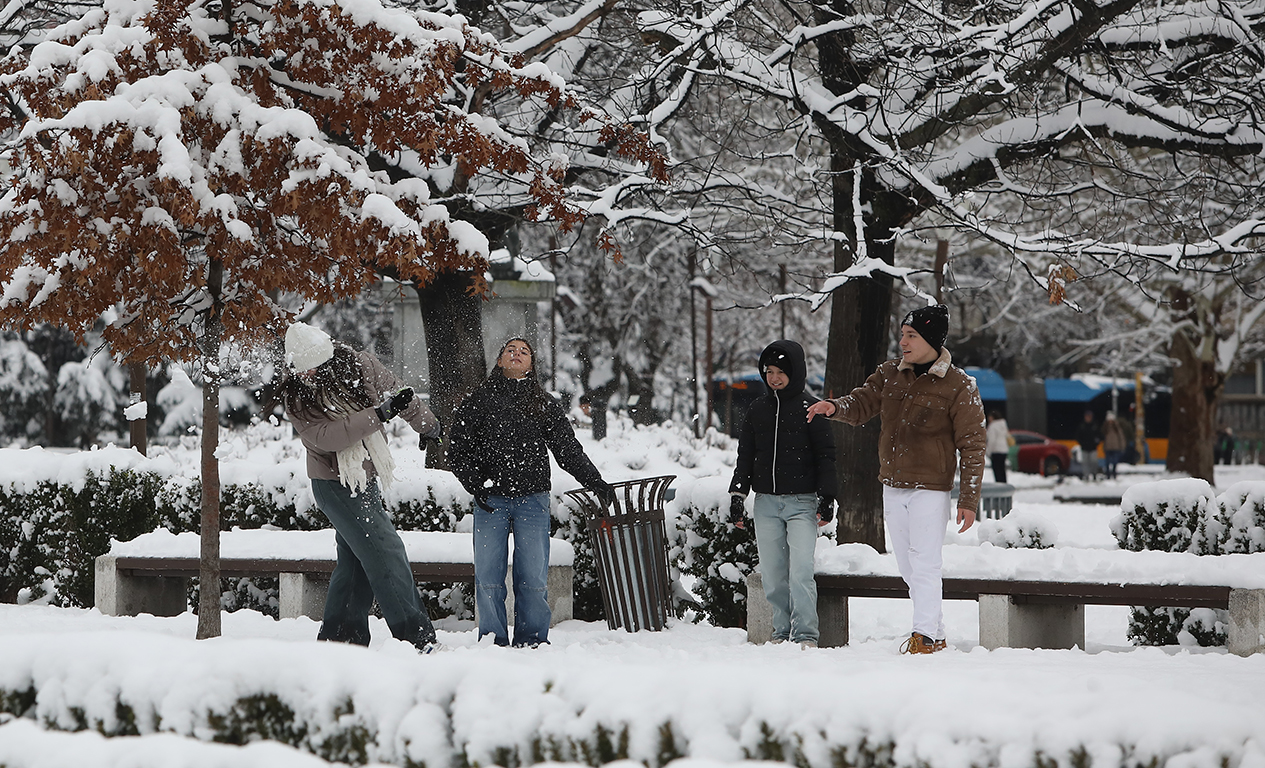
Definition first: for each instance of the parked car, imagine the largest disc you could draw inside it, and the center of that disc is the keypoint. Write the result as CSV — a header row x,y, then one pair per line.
x,y
1039,454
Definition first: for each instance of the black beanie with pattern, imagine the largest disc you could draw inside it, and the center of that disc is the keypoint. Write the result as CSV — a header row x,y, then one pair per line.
x,y
931,323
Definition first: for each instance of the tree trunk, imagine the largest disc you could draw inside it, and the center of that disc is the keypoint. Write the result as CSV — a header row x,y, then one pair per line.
x,y
859,309
1197,387
137,373
453,320
209,559
858,343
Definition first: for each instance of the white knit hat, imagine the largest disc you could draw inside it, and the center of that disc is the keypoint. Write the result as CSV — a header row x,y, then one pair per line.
x,y
307,347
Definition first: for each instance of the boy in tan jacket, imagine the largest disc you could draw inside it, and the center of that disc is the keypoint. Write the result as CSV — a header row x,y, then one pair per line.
x,y
931,411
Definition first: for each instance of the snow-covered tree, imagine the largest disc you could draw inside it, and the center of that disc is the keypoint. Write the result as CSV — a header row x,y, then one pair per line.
x,y
91,394
23,390
186,163
996,119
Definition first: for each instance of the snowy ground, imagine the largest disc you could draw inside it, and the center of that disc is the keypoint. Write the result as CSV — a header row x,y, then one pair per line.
x,y
720,699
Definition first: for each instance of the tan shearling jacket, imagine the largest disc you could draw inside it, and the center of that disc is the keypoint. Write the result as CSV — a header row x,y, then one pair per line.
x,y
926,421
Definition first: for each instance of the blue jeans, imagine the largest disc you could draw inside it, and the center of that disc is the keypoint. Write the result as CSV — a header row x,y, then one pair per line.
x,y
1113,458
786,536
371,564
527,517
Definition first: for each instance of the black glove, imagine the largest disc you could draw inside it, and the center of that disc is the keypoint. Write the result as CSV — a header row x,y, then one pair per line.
x,y
737,509
390,408
605,494
436,434
481,501
825,509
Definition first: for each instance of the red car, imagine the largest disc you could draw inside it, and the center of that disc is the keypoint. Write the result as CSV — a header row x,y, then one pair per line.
x,y
1039,454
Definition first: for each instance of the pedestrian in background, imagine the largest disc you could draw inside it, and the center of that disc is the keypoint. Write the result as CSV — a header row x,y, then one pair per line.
x,y
931,411
998,440
1088,437
790,464
1223,446
1113,444
338,401
499,449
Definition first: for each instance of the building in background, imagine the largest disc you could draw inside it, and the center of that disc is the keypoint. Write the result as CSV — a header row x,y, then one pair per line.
x,y
520,306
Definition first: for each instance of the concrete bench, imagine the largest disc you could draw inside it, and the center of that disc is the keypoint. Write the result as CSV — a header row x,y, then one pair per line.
x,y
1022,614
151,573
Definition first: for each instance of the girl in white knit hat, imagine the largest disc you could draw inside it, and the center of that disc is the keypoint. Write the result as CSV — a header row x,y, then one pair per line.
x,y
338,400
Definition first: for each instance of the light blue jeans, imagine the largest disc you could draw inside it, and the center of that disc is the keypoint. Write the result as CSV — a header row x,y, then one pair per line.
x,y
786,536
527,517
372,564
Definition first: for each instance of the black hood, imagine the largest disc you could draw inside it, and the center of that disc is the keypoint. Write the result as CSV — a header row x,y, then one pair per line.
x,y
789,356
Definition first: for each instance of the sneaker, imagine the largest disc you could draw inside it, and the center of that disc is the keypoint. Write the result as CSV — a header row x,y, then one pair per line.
x,y
920,643
808,644
432,647
778,640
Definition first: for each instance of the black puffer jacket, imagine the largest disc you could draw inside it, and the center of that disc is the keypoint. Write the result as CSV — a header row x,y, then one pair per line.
x,y
779,451
496,438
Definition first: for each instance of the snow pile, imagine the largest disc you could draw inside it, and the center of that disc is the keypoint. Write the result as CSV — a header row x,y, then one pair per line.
x,y
1018,529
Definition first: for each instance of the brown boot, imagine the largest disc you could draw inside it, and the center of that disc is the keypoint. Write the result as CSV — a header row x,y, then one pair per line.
x,y
919,643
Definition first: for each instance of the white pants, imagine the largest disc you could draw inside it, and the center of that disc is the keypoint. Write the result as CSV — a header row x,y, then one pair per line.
x,y
916,519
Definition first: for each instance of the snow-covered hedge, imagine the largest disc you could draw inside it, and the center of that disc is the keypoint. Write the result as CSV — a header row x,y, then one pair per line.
x,y
1184,515
1019,530
1241,514
58,512
1168,516
685,692
717,554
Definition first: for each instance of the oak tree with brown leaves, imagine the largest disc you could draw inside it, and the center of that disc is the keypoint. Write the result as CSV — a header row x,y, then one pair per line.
x,y
181,165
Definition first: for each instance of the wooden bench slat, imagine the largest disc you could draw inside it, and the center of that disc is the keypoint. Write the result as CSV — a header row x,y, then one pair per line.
x,y
1038,592
237,567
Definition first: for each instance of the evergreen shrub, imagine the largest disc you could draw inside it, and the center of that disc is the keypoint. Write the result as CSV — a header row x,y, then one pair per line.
x,y
51,534
1184,516
719,556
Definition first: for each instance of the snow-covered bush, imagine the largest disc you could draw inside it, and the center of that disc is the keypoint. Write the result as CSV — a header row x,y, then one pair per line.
x,y
1172,516
23,390
569,525
718,555
1019,530
51,532
90,397
1167,516
1241,510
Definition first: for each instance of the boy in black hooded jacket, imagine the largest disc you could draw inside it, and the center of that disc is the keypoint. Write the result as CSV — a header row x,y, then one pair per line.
x,y
790,464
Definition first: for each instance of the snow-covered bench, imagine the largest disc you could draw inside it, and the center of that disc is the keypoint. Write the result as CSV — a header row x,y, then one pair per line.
x,y
1036,598
150,573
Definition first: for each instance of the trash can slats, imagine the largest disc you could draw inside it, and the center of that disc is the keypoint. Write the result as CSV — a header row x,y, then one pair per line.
x,y
631,552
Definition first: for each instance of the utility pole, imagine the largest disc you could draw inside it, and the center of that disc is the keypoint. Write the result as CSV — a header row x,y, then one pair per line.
x,y
942,259
781,268
1139,419
553,317
710,373
694,350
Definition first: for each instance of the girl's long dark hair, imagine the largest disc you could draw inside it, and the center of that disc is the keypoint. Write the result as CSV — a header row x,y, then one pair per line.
x,y
537,398
336,387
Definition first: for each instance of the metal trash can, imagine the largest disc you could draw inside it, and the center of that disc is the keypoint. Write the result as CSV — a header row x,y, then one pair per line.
x,y
630,552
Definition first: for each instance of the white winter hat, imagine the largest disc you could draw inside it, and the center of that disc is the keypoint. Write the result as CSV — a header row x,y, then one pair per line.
x,y
307,347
